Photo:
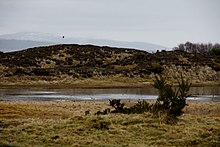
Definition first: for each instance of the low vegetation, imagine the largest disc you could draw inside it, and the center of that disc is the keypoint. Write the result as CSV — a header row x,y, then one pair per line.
x,y
138,108
64,123
170,102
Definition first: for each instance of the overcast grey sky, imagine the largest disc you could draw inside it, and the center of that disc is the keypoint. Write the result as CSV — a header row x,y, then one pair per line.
x,y
164,22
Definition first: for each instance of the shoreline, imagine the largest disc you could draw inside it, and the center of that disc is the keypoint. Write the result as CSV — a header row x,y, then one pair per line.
x,y
114,86
117,81
93,83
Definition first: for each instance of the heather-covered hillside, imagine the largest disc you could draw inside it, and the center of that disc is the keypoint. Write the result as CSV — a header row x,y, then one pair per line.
x,y
88,61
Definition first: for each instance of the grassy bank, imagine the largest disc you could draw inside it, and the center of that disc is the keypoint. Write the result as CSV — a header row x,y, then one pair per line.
x,y
95,82
69,82
64,123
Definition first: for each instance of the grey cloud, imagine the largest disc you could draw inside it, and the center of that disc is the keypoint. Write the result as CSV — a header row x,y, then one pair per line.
x,y
128,20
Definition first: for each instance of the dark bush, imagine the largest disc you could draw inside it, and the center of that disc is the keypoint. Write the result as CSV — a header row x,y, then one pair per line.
x,y
170,100
21,71
43,71
156,68
140,107
215,66
119,107
216,51
101,124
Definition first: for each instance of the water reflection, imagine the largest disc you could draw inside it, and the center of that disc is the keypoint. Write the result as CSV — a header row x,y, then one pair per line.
x,y
148,93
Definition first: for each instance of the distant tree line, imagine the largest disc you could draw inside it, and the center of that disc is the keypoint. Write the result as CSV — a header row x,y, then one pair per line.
x,y
199,47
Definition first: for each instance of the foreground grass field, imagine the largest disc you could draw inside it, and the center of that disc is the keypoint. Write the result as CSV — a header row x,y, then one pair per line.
x,y
64,123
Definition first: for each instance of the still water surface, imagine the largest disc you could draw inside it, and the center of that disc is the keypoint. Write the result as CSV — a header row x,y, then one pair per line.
x,y
147,93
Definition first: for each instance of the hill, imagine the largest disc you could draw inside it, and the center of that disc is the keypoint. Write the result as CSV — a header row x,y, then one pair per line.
x,y
9,45
23,40
89,61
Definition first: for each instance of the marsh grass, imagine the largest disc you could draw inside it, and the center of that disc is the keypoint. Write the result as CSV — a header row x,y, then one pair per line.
x,y
69,81
63,123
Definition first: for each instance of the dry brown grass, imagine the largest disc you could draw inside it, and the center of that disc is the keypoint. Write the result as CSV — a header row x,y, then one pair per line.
x,y
64,123
69,81
203,108
50,109
126,67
